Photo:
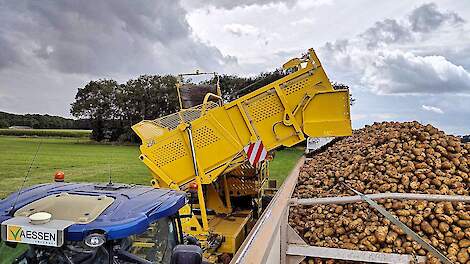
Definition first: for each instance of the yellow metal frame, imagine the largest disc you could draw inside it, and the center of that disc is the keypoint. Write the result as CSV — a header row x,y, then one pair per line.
x,y
282,113
278,114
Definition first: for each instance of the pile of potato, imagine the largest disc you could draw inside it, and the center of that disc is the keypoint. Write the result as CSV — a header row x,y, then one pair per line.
x,y
388,157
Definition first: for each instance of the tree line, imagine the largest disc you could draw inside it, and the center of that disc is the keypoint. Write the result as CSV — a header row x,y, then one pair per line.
x,y
38,121
112,108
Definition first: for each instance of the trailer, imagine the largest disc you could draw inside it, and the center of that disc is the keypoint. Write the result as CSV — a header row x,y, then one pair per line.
x,y
272,240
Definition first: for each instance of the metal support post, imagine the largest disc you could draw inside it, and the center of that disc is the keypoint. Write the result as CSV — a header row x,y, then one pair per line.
x,y
200,194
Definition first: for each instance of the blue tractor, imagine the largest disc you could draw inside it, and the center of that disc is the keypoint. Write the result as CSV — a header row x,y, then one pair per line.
x,y
97,223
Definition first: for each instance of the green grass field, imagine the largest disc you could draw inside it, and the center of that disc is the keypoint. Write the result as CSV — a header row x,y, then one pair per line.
x,y
8,254
283,163
85,161
68,133
79,159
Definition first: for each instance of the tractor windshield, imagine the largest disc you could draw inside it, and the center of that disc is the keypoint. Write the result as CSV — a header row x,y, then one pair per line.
x,y
155,244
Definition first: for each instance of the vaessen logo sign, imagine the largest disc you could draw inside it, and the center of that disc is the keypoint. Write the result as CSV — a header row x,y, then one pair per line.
x,y
32,235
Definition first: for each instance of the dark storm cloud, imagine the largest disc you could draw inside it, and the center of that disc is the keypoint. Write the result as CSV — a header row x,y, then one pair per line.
x,y
112,36
8,55
427,18
50,48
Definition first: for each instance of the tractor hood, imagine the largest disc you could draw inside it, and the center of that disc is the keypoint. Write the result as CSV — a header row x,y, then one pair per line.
x,y
117,210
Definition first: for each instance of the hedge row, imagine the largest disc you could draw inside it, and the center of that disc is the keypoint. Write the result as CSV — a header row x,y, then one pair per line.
x,y
46,132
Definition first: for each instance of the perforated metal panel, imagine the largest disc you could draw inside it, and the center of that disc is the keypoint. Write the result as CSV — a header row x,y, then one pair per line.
x,y
297,86
167,153
265,107
204,136
239,187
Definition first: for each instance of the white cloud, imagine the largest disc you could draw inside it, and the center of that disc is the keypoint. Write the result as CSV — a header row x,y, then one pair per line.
x,y
385,53
242,30
306,21
384,116
398,72
391,47
383,59
306,4
432,109
230,4
427,17
387,31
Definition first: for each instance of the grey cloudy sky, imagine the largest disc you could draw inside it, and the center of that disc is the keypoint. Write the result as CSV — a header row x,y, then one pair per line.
x,y
404,60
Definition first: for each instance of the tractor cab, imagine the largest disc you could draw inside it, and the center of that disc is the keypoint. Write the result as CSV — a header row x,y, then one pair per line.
x,y
96,223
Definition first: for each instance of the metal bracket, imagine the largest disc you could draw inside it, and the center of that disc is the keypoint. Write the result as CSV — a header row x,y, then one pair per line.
x,y
294,239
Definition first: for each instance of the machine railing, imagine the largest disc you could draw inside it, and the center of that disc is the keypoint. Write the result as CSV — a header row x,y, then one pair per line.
x,y
184,116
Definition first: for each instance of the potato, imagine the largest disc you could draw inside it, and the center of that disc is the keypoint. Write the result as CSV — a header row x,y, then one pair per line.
x,y
462,256
453,249
427,228
328,231
381,233
388,157
463,223
464,243
443,227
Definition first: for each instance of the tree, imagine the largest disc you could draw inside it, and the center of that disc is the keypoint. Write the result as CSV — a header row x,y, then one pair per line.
x,y
4,124
147,97
41,121
113,108
97,102
232,86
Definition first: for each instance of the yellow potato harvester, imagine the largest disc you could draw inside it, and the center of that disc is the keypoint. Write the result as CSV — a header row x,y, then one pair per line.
x,y
202,147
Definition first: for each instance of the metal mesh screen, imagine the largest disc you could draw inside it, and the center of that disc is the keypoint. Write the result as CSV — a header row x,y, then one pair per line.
x,y
183,116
